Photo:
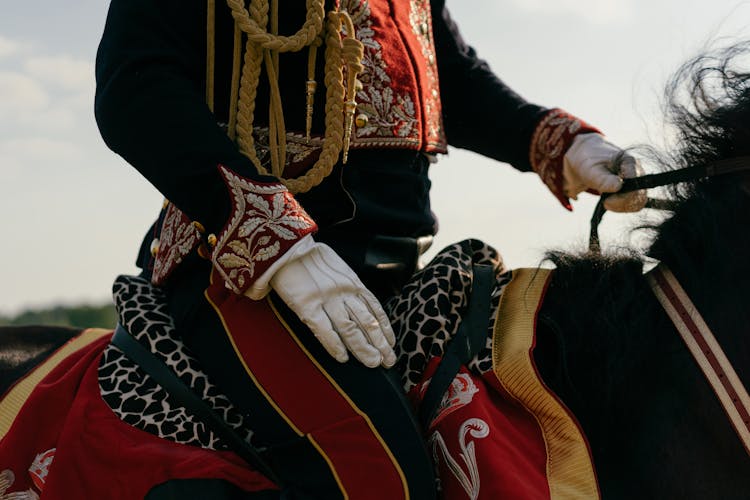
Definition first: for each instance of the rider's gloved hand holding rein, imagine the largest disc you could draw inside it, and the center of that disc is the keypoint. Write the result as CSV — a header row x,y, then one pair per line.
x,y
267,244
571,156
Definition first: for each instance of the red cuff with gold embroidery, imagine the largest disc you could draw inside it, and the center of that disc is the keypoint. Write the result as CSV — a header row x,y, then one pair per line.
x,y
553,136
266,221
177,238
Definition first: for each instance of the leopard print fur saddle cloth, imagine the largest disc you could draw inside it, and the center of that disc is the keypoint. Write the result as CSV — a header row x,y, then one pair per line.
x,y
425,316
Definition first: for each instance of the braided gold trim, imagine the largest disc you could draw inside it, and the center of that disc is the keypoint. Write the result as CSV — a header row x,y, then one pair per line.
x,y
343,50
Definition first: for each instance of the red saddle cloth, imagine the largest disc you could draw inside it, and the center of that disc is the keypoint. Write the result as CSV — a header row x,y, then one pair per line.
x,y
504,434
499,435
60,440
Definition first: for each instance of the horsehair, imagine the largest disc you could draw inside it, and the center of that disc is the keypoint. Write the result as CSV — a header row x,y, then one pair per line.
x,y
705,241
614,348
264,47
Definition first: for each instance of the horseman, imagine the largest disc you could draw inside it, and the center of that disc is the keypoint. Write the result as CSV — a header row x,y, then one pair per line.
x,y
293,148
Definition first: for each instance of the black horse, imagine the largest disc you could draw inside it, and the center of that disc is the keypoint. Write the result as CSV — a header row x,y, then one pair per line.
x,y
610,352
24,347
604,344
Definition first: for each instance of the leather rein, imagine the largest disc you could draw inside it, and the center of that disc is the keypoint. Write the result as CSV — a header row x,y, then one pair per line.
x,y
720,167
689,323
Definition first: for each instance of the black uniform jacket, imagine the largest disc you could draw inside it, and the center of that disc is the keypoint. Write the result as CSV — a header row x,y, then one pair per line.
x,y
150,107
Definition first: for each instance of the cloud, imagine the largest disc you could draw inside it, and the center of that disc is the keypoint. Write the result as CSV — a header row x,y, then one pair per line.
x,y
20,157
8,47
594,11
19,93
40,149
50,120
64,71
45,95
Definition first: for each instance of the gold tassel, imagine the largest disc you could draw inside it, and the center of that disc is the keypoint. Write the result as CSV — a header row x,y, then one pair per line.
x,y
311,86
353,51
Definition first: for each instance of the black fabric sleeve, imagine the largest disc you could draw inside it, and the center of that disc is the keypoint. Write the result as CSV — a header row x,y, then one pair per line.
x,y
480,112
150,104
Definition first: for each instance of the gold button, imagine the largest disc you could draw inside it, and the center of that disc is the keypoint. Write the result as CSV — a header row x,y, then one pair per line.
x,y
203,252
154,247
361,120
212,239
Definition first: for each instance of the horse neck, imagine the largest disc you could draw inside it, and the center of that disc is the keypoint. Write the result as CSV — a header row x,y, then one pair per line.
x,y
596,329
609,352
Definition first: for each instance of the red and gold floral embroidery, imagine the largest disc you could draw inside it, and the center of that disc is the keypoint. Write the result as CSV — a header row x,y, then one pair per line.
x,y
299,149
391,117
398,103
421,23
459,394
266,221
178,237
40,468
552,138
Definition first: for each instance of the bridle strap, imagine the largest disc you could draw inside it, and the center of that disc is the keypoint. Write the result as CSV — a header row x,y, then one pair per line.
x,y
705,349
719,167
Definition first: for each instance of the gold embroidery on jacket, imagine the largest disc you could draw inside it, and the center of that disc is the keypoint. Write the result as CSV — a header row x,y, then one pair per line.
x,y
390,114
421,23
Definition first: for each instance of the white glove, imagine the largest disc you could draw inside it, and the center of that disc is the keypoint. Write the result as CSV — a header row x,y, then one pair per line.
x,y
332,301
589,164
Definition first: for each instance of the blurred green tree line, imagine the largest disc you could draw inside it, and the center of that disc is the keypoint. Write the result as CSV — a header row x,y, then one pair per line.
x,y
83,316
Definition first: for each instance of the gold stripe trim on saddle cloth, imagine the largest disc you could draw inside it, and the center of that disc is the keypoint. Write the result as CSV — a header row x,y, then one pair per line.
x,y
570,470
300,427
15,398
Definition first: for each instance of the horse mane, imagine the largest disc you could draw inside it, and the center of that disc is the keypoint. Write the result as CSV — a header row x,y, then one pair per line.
x,y
706,241
609,351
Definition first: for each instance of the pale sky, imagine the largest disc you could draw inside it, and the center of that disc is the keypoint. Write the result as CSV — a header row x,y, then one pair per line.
x,y
74,212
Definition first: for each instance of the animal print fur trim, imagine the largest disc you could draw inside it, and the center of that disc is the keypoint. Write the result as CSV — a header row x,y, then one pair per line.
x,y
427,312
266,221
552,137
136,398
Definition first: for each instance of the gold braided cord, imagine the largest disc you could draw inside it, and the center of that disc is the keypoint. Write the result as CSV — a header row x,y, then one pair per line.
x,y
246,102
334,129
310,85
276,126
235,88
210,51
264,50
275,30
257,33
353,52
277,130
